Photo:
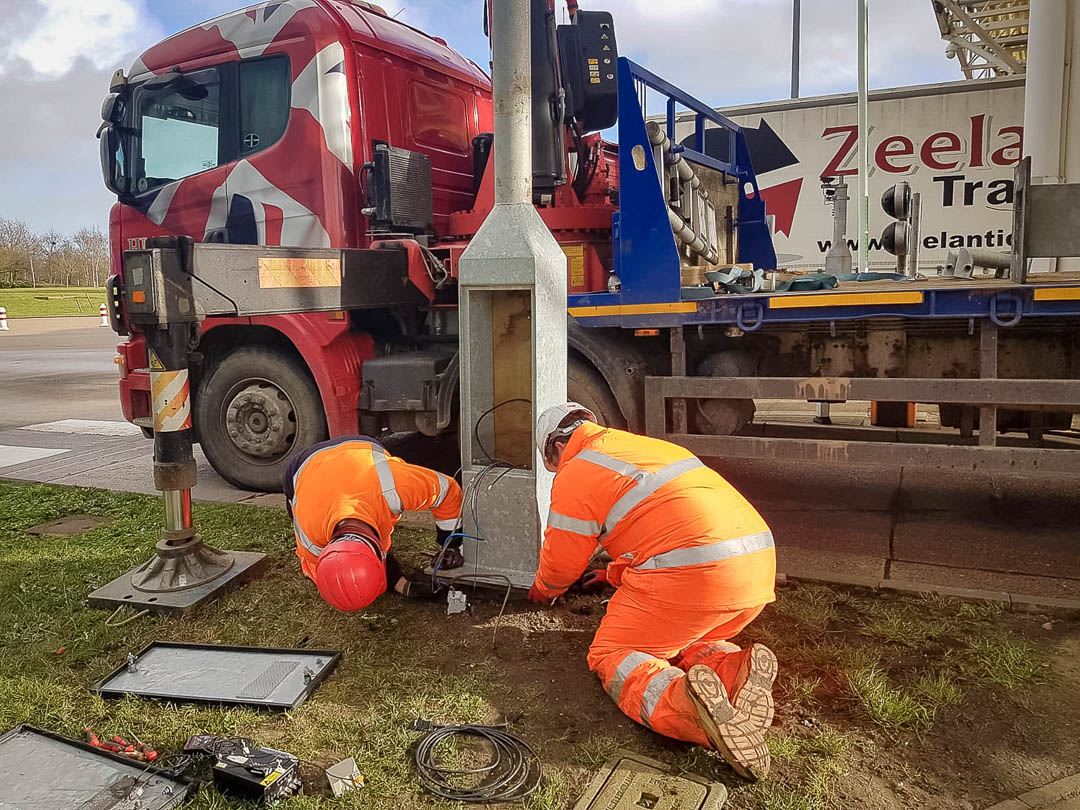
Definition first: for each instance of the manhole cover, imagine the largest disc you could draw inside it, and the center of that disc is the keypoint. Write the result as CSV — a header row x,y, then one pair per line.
x,y
632,782
68,526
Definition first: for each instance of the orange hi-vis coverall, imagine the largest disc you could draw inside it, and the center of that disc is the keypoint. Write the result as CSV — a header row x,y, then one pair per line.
x,y
693,564
355,477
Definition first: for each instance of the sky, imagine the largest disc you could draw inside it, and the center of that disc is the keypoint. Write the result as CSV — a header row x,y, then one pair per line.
x,y
56,57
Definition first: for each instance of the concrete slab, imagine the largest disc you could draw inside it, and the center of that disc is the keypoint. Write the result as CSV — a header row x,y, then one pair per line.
x,y
844,531
961,540
1063,794
829,565
15,456
804,486
985,580
87,427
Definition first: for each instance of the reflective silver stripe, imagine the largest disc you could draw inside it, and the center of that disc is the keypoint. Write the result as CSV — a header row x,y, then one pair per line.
x,y
447,525
444,487
613,464
712,552
646,487
303,538
655,688
622,672
588,528
386,480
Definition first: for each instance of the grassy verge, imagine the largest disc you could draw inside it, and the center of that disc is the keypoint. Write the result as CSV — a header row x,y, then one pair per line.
x,y
860,675
41,301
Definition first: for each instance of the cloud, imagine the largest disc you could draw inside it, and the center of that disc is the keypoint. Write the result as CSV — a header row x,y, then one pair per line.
x,y
46,38
735,51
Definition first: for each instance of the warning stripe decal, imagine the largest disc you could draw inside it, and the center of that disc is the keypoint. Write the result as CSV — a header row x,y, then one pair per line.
x,y
171,396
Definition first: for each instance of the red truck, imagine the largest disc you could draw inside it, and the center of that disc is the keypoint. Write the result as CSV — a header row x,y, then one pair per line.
x,y
262,127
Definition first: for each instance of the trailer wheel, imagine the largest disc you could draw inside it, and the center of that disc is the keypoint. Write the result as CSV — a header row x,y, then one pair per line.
x,y
255,409
585,386
725,417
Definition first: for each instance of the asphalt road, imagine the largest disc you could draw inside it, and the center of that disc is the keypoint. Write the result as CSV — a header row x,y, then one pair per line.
x,y
1004,533
57,368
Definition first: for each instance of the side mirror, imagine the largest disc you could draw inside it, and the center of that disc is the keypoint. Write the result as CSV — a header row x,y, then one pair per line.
x,y
112,171
112,108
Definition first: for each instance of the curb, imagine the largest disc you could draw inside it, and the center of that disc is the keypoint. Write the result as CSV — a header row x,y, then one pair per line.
x,y
1043,797
1013,602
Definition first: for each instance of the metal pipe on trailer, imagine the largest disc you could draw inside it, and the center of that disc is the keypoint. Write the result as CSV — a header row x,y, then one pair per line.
x,y
864,143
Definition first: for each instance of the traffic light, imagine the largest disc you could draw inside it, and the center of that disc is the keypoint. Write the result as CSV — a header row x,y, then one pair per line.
x,y
896,202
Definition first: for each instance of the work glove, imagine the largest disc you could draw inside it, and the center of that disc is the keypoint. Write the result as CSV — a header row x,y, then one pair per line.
x,y
594,580
452,558
536,596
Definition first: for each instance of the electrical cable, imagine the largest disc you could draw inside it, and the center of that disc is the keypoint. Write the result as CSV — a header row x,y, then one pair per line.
x,y
480,418
110,623
512,774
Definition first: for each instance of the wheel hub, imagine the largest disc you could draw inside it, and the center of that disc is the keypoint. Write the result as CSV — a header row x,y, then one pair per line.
x,y
260,420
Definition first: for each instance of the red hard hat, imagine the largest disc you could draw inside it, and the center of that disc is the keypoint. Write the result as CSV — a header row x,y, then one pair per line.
x,y
350,574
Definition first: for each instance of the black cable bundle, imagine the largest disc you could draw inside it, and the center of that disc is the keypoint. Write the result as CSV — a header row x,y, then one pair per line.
x,y
512,774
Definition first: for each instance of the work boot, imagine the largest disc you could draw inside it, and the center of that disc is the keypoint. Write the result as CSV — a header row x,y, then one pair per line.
x,y
738,737
756,676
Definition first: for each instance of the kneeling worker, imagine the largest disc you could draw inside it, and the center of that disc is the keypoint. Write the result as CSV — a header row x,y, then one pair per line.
x,y
693,564
345,497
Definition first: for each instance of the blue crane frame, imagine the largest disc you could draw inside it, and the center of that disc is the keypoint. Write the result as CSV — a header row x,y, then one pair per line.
x,y
647,263
646,259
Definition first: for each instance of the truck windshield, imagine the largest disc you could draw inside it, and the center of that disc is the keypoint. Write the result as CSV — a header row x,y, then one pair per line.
x,y
178,130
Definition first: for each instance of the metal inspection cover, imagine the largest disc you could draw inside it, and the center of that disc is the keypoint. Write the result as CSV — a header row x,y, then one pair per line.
x,y
259,677
44,771
632,782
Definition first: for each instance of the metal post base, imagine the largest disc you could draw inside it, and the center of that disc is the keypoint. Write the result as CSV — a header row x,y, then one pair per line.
x,y
174,585
181,563
507,516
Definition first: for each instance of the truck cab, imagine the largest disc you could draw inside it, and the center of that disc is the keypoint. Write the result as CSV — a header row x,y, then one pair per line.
x,y
257,127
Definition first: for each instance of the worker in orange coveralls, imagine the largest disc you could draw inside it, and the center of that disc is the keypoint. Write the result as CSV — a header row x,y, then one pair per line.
x,y
345,497
693,564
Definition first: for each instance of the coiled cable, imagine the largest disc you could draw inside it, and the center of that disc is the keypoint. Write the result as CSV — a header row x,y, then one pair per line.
x,y
512,773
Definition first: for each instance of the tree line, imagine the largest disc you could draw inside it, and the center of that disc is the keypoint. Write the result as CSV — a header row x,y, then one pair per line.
x,y
51,259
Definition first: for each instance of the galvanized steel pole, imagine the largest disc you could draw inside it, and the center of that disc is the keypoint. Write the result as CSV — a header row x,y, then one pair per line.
x,y
796,36
512,97
864,157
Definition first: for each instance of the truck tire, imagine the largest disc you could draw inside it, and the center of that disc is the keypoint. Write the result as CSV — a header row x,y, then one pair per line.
x,y
255,409
585,386
724,417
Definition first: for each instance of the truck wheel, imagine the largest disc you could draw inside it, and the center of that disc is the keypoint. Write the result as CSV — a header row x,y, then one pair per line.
x,y
585,386
255,409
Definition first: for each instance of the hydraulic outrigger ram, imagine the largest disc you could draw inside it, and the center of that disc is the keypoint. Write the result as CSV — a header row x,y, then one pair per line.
x,y
185,572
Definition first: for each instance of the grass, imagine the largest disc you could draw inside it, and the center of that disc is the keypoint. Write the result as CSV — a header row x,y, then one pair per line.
x,y
849,663
1006,661
37,302
886,704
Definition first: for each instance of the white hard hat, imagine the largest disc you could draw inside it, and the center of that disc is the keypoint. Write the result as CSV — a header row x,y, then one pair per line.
x,y
547,425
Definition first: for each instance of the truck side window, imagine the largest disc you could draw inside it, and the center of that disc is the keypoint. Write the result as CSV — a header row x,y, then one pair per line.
x,y
264,102
438,118
180,129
